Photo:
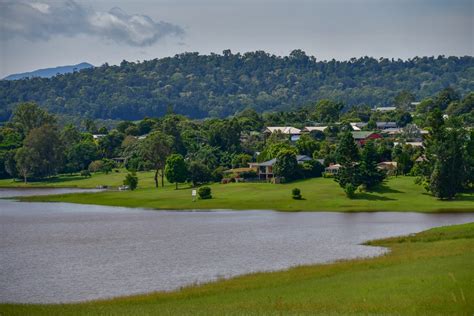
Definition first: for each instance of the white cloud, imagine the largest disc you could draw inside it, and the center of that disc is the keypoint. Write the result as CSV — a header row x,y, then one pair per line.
x,y
42,21
42,7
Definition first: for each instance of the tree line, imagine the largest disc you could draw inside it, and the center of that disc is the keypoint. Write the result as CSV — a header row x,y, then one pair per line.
x,y
220,85
33,145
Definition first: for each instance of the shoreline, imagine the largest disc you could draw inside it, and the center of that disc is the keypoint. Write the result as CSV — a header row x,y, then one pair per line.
x,y
397,194
37,199
58,198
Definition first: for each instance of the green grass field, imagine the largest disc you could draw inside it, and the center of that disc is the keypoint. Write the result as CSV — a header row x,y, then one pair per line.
x,y
75,181
320,194
429,273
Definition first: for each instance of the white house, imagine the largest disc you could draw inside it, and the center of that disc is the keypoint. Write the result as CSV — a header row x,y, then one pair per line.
x,y
265,169
332,169
385,108
293,132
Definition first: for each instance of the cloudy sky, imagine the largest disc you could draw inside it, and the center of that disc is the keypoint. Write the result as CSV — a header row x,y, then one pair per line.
x,y
42,33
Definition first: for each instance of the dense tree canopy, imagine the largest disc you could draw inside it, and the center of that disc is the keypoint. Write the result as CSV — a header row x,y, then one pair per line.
x,y
221,85
175,169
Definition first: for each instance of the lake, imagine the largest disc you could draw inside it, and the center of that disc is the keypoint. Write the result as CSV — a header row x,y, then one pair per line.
x,y
60,252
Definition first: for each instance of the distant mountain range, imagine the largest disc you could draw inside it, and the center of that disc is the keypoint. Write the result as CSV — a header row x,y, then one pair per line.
x,y
49,72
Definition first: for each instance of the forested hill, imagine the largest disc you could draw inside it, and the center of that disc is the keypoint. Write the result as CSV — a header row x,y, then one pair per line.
x,y
219,85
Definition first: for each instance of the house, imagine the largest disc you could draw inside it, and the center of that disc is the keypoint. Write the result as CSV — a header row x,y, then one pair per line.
x,y
386,125
385,109
119,160
98,136
292,132
362,137
265,169
413,144
390,167
238,172
357,126
309,129
392,131
332,169
421,159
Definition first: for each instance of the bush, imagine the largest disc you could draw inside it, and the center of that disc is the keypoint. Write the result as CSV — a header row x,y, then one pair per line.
x,y
316,168
225,180
108,165
85,173
296,193
198,173
204,193
249,174
218,174
350,190
96,166
131,180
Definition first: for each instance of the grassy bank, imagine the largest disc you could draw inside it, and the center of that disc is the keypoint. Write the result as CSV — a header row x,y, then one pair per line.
x,y
397,194
429,273
113,179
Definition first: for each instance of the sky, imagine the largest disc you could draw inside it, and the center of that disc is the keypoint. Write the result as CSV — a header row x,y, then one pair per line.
x,y
38,34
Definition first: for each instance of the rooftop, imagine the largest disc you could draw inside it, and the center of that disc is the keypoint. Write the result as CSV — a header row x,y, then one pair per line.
x,y
283,129
361,134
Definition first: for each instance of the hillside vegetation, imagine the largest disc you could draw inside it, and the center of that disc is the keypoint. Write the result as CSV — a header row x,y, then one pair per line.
x,y
221,85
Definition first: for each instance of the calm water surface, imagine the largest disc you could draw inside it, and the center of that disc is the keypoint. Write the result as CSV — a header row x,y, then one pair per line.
x,y
59,252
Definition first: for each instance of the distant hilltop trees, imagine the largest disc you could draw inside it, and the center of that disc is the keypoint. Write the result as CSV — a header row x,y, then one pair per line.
x,y
220,85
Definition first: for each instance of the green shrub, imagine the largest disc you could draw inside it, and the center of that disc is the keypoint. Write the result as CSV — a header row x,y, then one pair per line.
x,y
296,193
131,180
205,193
85,173
350,190
249,174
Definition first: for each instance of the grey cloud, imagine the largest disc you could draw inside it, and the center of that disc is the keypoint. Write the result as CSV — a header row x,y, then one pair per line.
x,y
44,20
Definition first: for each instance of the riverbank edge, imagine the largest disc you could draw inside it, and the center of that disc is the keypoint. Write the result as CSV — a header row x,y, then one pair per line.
x,y
398,246
51,199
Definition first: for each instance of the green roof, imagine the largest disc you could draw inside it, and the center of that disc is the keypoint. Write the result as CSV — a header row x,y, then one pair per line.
x,y
362,134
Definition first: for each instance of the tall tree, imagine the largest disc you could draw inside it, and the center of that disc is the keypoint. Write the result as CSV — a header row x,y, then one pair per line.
x,y
171,125
155,149
26,161
448,172
347,154
29,115
346,150
286,165
175,169
110,144
225,134
403,100
445,97
307,145
369,174
327,111
198,173
45,143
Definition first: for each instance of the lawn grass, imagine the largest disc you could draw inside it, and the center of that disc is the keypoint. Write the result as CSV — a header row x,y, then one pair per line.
x,y
429,273
319,194
114,179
